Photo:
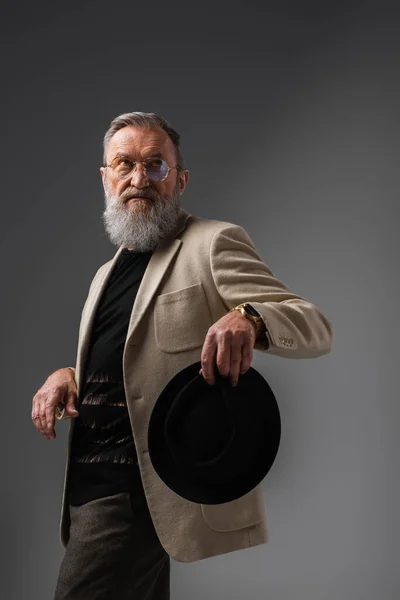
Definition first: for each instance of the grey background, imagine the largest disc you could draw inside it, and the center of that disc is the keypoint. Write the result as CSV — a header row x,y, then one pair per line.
x,y
288,113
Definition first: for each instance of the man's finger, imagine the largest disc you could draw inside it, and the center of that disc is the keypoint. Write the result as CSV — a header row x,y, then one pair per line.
x,y
50,418
41,422
236,361
208,354
70,405
224,354
36,421
35,412
247,357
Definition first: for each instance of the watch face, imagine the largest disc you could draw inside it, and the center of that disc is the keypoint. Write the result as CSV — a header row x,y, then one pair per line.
x,y
251,311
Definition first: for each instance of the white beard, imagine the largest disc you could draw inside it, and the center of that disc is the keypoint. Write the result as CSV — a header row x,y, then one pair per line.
x,y
142,224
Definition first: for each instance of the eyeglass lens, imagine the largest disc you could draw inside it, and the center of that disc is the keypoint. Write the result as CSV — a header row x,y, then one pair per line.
x,y
155,168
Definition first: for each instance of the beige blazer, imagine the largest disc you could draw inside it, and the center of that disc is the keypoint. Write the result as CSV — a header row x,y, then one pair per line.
x,y
191,281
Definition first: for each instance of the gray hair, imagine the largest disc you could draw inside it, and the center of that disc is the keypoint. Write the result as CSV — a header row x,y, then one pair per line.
x,y
145,120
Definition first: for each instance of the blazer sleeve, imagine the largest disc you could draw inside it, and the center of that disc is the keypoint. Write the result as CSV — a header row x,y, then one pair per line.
x,y
295,328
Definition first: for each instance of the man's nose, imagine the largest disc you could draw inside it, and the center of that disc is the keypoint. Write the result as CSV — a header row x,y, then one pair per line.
x,y
138,177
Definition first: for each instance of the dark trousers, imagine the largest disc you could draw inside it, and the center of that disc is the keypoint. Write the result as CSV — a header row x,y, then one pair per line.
x,y
113,553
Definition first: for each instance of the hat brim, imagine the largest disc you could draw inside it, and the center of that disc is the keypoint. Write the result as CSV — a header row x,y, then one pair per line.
x,y
187,482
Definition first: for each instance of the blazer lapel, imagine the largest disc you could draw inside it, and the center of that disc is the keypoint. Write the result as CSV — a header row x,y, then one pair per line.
x,y
158,264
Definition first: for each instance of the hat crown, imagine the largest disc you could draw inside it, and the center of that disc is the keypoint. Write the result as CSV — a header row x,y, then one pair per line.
x,y
200,427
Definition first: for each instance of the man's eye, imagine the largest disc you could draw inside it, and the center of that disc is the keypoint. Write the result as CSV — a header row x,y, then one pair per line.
x,y
154,162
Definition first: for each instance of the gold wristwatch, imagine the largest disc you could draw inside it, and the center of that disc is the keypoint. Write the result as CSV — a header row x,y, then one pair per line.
x,y
251,314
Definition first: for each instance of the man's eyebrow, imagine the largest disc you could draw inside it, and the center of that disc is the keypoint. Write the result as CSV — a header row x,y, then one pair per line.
x,y
155,154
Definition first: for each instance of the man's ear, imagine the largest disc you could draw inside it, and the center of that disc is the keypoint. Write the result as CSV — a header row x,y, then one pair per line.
x,y
183,180
103,174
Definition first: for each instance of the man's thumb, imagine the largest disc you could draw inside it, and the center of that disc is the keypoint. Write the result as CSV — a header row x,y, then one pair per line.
x,y
70,406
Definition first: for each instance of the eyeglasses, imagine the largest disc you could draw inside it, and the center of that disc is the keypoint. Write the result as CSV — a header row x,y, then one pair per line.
x,y
156,169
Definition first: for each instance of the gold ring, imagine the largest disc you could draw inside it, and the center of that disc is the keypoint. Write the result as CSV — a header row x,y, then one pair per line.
x,y
60,411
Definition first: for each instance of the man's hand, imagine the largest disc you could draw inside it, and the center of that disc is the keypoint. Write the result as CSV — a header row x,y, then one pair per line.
x,y
59,387
229,343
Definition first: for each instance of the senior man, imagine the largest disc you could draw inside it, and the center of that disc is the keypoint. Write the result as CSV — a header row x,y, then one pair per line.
x,y
162,302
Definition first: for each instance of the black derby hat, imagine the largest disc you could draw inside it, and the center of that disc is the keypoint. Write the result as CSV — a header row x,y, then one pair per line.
x,y
212,444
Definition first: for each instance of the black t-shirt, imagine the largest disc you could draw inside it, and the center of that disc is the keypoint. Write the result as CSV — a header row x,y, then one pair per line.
x,y
103,453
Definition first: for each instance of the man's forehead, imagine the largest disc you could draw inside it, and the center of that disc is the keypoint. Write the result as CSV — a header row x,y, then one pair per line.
x,y
136,139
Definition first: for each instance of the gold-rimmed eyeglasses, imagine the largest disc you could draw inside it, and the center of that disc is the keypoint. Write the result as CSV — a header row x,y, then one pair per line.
x,y
156,169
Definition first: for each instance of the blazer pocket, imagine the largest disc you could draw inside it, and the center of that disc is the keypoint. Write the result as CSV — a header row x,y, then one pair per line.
x,y
246,511
181,319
